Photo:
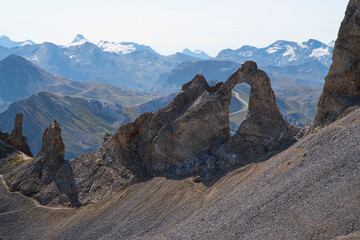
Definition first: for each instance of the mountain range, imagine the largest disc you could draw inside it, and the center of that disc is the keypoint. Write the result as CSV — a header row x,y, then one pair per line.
x,y
140,68
282,53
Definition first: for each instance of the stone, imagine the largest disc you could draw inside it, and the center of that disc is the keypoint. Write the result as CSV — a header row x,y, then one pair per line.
x,y
342,84
16,138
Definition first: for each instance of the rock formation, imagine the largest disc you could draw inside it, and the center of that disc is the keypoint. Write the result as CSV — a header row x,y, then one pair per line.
x,y
48,177
264,131
189,137
342,85
16,138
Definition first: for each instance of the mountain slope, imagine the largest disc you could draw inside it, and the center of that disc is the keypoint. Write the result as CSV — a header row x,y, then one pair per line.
x,y
20,78
84,122
305,192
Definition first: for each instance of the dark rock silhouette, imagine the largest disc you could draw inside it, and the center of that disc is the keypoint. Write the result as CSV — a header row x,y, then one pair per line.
x,y
342,85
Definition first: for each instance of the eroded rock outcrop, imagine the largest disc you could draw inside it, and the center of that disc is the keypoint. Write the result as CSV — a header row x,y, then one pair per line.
x,y
264,131
48,177
190,136
16,138
173,140
342,85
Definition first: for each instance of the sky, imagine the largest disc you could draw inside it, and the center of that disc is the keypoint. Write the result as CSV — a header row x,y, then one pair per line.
x,y
169,26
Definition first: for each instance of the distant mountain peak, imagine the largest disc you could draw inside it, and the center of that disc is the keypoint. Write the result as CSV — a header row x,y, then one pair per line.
x,y
79,38
5,41
196,53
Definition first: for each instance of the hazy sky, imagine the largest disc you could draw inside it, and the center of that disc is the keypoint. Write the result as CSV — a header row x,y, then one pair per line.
x,y
169,26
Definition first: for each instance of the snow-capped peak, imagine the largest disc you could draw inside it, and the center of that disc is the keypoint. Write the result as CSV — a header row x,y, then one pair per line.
x,y
7,42
78,40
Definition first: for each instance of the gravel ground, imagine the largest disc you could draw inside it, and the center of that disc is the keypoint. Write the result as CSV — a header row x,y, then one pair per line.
x,y
309,191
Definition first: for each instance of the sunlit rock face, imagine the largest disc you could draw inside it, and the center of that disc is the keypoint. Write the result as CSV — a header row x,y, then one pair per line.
x,y
342,85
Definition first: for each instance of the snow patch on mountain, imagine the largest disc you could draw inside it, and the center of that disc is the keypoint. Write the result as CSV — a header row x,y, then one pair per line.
x,y
290,52
319,52
272,50
118,48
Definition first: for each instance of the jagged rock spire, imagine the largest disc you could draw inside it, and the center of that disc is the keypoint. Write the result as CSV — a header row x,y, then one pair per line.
x,y
16,138
52,153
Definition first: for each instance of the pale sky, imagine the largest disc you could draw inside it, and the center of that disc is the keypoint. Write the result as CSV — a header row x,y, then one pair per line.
x,y
169,26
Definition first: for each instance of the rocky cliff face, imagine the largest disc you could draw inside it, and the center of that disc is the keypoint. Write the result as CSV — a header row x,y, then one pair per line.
x,y
48,178
342,85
